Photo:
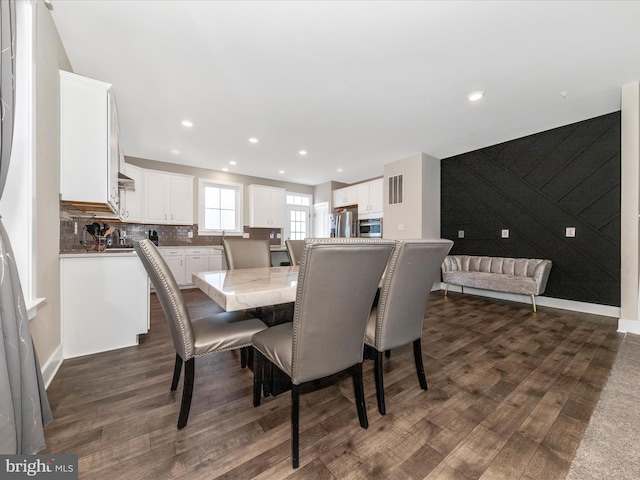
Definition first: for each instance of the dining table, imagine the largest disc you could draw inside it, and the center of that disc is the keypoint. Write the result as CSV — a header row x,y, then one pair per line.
x,y
268,292
248,288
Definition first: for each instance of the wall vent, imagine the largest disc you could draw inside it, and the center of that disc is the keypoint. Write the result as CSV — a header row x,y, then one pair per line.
x,y
395,189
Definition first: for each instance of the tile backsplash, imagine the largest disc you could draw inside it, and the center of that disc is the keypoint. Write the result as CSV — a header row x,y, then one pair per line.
x,y
168,235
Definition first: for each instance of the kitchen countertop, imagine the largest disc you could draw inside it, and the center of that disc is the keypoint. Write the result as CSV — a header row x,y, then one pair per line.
x,y
111,252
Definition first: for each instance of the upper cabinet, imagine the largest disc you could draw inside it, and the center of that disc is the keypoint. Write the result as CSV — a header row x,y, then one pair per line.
x,y
131,200
266,207
168,198
89,151
370,199
345,196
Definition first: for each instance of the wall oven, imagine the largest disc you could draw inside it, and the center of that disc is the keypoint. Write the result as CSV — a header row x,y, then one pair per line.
x,y
371,228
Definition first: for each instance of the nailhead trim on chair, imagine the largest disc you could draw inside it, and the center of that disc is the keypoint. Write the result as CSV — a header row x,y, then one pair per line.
x,y
182,322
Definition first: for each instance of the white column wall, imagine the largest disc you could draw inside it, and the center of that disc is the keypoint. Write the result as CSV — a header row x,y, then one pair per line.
x,y
630,209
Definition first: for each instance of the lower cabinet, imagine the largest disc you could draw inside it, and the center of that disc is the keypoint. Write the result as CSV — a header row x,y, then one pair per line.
x,y
175,259
104,302
185,261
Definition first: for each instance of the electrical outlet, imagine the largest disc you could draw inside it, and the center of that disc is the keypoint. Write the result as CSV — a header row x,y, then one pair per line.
x,y
401,226
245,235
505,233
190,234
570,232
460,233
278,235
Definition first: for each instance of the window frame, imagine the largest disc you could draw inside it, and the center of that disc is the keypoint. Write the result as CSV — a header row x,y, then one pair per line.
x,y
239,192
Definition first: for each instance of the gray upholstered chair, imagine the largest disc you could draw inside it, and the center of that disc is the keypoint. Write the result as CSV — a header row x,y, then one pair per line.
x,y
397,318
294,250
337,282
192,338
246,253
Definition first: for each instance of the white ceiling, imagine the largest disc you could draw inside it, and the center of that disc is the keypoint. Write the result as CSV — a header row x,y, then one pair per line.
x,y
355,83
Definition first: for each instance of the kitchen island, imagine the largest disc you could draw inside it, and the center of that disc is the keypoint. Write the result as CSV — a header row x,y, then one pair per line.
x,y
104,301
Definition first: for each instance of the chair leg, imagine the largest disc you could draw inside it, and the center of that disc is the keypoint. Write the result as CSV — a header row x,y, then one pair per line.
x,y
243,357
176,373
257,378
295,427
417,355
358,390
446,290
189,374
377,371
387,353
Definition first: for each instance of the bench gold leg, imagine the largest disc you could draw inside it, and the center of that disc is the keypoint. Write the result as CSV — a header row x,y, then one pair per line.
x,y
533,303
446,290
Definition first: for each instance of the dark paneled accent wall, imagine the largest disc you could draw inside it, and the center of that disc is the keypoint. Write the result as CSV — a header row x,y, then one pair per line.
x,y
537,186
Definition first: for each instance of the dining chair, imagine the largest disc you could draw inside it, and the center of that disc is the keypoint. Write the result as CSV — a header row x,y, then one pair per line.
x,y
294,250
337,282
246,253
192,338
397,318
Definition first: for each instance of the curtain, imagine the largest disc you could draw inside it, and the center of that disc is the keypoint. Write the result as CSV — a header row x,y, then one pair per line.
x,y
24,408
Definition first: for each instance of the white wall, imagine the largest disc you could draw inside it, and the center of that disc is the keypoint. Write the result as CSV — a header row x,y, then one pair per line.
x,y
50,57
418,216
630,209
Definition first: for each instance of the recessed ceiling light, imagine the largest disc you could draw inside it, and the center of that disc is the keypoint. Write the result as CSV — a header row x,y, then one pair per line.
x,y
253,140
281,172
475,96
302,152
339,169
225,169
232,162
187,123
175,151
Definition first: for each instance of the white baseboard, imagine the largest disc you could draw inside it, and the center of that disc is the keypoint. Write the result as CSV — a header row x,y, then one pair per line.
x,y
584,307
628,326
51,366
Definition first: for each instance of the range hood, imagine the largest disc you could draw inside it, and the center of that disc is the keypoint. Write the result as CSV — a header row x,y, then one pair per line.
x,y
126,183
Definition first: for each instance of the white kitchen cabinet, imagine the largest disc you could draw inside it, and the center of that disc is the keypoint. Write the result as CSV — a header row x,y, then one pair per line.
x,y
89,150
370,199
197,260
266,207
104,302
175,258
168,198
185,261
343,197
131,200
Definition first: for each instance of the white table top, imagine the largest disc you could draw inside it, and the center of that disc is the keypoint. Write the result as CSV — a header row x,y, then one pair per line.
x,y
249,287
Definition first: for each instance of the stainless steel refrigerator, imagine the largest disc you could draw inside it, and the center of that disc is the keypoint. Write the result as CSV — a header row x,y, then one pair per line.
x,y
344,223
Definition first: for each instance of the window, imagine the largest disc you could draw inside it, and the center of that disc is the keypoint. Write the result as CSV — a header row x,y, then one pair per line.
x,y
219,208
298,214
19,197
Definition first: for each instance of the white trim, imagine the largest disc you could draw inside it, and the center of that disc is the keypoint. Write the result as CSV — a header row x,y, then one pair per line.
x,y
32,307
51,366
541,301
628,326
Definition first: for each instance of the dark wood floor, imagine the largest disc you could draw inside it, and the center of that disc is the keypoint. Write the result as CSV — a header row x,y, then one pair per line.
x,y
510,394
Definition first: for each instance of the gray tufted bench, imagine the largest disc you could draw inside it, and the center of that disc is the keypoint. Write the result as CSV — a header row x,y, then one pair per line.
x,y
526,276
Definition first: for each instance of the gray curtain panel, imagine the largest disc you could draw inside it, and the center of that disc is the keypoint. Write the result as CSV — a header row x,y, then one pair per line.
x,y
24,407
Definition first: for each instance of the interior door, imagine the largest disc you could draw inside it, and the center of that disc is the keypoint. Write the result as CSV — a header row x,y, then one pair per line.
x,y
321,227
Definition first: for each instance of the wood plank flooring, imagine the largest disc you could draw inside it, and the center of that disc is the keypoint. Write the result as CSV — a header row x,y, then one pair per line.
x,y
510,394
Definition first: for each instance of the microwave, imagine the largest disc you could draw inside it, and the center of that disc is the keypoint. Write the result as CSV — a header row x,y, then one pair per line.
x,y
370,228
